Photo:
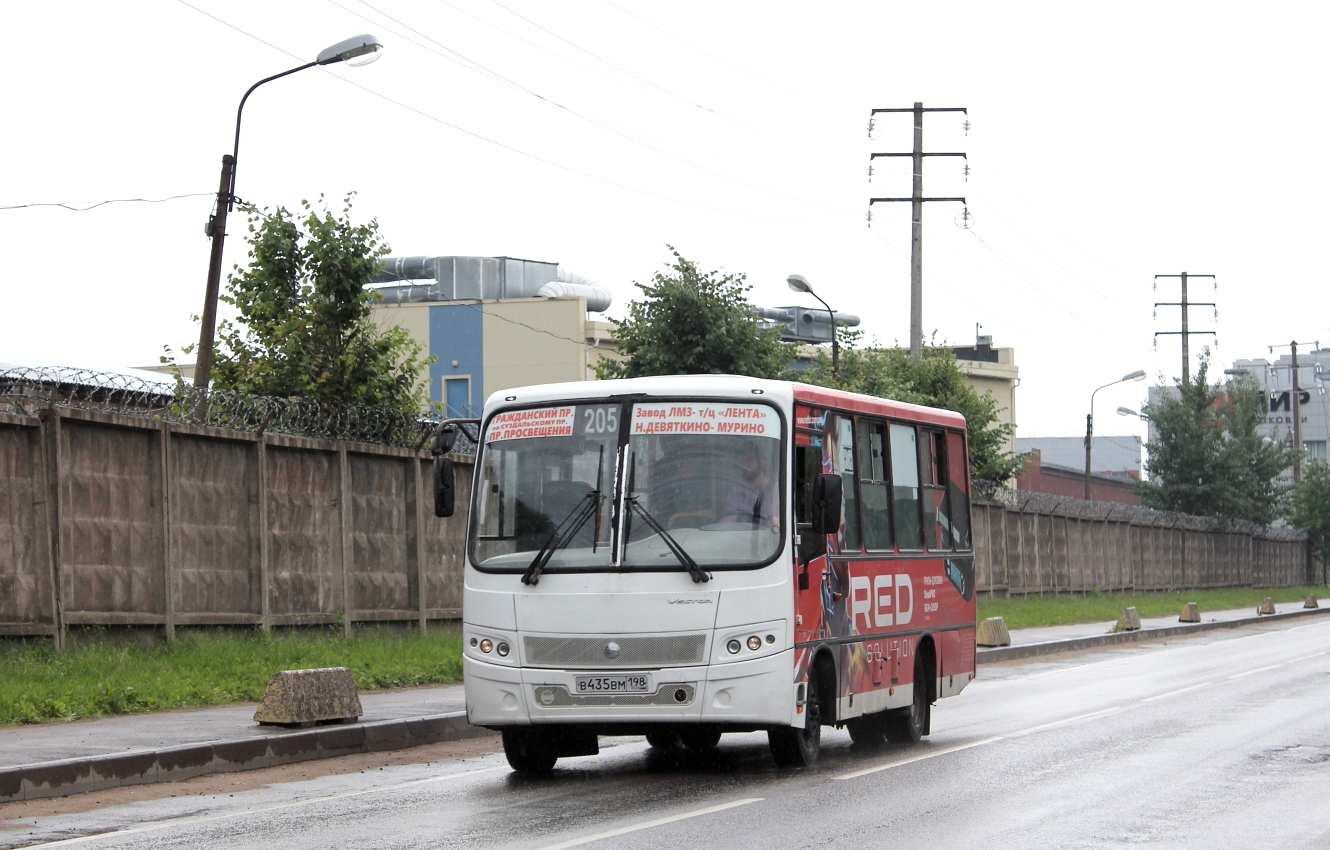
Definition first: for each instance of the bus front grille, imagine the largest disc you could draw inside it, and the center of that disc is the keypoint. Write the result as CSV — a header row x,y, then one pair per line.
x,y
557,696
623,652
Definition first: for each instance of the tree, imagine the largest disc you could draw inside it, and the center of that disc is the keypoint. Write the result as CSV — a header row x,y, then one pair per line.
x,y
1207,456
1310,508
304,326
695,323
934,380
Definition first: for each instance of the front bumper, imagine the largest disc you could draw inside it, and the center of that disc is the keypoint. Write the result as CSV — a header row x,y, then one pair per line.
x,y
759,692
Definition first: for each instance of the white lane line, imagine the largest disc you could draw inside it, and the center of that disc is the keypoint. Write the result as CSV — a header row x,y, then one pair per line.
x,y
120,833
981,742
1257,670
1307,657
651,824
1179,691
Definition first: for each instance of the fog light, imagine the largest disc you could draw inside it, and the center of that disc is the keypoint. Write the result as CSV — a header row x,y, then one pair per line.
x,y
474,641
755,643
681,695
503,649
733,646
771,638
486,645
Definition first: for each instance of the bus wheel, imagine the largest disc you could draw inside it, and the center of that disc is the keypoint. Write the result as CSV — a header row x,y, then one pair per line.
x,y
907,725
867,731
527,753
700,738
663,740
792,747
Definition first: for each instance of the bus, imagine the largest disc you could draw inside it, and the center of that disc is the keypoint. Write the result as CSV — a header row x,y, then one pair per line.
x,y
681,557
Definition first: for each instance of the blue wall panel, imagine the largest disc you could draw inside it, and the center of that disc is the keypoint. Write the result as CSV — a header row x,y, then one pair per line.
x,y
455,334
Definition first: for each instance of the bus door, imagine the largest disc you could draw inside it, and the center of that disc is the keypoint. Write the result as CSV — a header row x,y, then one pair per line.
x,y
810,559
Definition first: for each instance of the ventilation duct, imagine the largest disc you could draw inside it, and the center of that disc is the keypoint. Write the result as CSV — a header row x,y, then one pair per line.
x,y
571,285
426,279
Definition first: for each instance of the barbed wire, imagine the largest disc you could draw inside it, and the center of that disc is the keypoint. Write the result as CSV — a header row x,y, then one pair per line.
x,y
28,391
1074,508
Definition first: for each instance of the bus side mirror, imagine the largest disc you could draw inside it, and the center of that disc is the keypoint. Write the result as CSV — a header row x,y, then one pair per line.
x,y
826,503
443,440
444,481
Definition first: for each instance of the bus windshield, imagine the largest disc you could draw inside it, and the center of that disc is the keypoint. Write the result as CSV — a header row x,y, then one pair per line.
x,y
707,474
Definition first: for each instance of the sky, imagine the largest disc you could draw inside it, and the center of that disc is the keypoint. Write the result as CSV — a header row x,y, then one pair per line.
x,y
1108,143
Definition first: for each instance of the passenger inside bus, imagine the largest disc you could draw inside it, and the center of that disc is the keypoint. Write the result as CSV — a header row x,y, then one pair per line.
x,y
754,498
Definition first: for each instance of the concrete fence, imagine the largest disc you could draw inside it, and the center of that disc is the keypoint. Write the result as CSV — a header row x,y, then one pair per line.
x,y
107,519
1043,544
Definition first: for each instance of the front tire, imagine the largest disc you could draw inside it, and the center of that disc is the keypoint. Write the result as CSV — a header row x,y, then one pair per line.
x,y
663,740
699,739
792,747
527,753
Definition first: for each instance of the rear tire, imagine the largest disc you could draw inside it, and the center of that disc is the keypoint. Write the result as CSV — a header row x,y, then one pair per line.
x,y
792,747
907,725
699,739
527,753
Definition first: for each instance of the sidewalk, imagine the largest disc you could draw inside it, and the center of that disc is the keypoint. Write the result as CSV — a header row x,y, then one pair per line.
x,y
1026,643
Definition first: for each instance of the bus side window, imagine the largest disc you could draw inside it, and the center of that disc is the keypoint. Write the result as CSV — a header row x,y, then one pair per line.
x,y
933,472
807,466
841,445
874,488
905,486
958,489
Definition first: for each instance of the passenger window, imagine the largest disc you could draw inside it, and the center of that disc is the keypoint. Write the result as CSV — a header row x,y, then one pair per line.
x,y
933,471
807,466
958,488
874,488
905,486
841,447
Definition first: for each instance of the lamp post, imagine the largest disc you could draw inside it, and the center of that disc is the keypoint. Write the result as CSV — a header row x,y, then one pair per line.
x,y
361,50
1138,375
799,283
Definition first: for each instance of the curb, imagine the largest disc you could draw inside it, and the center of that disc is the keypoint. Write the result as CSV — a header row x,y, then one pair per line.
x,y
1029,650
97,773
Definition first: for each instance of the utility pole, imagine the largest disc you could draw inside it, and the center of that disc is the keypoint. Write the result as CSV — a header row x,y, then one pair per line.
x,y
1297,409
1186,333
917,201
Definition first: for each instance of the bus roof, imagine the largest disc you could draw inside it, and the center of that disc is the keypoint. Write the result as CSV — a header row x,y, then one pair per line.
x,y
731,386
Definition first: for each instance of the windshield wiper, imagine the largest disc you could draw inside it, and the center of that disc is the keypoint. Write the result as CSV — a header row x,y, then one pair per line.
x,y
698,574
562,535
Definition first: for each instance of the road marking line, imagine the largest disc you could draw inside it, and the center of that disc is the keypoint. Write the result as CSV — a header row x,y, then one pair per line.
x,y
904,762
119,833
1307,657
1178,691
1054,724
1257,670
624,830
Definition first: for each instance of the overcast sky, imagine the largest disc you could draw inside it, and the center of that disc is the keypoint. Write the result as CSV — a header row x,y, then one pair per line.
x,y
1109,143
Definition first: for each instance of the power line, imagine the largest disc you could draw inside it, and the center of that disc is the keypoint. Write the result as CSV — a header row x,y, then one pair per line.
x,y
507,147
73,206
622,134
700,50
1029,283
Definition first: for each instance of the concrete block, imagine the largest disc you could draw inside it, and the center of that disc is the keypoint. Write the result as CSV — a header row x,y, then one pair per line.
x,y
240,755
1311,602
1130,621
1267,607
992,632
302,697
341,741
125,768
297,746
1191,613
386,735
426,730
62,777
11,784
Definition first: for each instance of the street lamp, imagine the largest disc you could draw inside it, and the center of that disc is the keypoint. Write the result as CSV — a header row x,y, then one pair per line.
x,y
799,283
1138,375
361,50
1127,411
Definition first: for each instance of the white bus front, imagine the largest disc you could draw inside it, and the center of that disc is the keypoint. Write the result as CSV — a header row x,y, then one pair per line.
x,y
628,565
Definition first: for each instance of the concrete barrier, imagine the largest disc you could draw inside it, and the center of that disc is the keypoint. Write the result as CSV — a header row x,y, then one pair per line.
x,y
1267,607
1191,613
1130,620
306,697
1310,602
992,632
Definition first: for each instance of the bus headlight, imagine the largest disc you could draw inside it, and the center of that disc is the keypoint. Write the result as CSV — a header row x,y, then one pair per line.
x,y
502,649
755,643
486,645
734,646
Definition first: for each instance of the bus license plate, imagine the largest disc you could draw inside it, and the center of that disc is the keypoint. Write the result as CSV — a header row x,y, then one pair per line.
x,y
626,683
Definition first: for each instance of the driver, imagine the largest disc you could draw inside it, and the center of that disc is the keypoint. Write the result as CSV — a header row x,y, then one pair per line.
x,y
754,499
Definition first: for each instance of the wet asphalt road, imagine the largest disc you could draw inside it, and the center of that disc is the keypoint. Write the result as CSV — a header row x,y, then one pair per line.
x,y
1210,742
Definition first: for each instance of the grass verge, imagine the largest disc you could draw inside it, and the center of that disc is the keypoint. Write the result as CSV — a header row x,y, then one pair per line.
x,y
1094,606
97,678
